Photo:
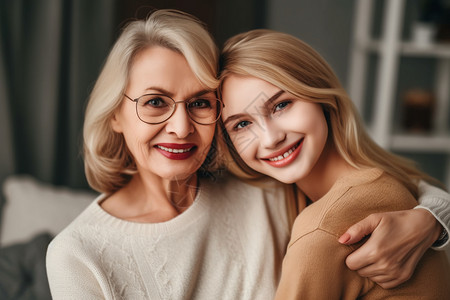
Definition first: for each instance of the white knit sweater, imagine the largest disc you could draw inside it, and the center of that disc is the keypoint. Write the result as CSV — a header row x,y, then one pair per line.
x,y
437,202
228,245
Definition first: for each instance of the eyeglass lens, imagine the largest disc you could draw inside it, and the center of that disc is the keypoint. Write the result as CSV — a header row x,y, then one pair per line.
x,y
154,108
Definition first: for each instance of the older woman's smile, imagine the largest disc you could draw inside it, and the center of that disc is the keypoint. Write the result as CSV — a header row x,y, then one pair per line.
x,y
176,151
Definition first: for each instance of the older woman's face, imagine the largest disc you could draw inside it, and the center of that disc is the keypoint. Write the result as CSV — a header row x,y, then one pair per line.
x,y
176,148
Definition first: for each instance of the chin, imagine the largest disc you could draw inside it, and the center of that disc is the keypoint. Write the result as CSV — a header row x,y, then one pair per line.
x,y
286,178
177,176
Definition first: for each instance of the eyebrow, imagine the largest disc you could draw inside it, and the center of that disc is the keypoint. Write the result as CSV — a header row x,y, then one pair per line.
x,y
170,94
266,103
273,98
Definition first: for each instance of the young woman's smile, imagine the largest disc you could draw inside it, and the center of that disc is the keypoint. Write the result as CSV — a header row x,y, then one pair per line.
x,y
274,132
284,156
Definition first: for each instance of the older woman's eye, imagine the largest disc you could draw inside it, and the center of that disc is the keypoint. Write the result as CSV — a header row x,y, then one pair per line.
x,y
154,101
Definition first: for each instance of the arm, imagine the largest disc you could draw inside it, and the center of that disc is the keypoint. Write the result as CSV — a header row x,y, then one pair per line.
x,y
314,268
68,276
398,239
437,202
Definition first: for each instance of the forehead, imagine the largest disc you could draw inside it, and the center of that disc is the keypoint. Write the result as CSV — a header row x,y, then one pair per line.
x,y
163,68
245,94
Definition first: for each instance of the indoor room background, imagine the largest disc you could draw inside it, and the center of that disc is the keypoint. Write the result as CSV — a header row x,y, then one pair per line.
x,y
392,56
52,51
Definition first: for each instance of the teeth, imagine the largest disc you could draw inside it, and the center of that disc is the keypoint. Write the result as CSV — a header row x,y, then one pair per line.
x,y
174,150
286,154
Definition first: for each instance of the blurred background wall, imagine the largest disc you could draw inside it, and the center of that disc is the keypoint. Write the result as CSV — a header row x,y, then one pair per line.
x,y
51,52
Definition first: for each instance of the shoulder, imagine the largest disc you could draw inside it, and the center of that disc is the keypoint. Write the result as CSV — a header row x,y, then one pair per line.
x,y
314,260
83,227
354,198
380,194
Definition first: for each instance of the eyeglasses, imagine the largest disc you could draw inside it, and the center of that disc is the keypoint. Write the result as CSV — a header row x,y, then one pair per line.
x,y
158,108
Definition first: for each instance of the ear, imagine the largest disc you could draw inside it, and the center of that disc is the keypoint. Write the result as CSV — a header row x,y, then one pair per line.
x,y
116,123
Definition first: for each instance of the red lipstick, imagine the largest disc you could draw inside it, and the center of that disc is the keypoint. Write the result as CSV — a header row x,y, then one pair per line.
x,y
176,151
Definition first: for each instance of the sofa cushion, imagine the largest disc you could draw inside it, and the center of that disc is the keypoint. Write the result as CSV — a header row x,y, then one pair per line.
x,y
32,207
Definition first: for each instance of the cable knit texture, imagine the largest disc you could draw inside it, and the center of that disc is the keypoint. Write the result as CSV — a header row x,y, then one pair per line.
x,y
437,202
314,266
228,245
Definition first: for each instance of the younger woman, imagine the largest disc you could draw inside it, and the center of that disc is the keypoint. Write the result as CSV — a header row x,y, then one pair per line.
x,y
288,117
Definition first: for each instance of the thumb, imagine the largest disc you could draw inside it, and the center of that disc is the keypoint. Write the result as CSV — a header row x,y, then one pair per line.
x,y
359,230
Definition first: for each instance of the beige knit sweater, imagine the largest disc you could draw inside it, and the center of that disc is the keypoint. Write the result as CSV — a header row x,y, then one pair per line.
x,y
314,267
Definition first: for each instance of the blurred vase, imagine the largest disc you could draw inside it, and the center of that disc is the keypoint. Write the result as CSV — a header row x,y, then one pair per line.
x,y
418,110
423,34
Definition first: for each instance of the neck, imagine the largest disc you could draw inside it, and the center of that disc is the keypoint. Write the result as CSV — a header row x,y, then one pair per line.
x,y
329,168
176,192
151,199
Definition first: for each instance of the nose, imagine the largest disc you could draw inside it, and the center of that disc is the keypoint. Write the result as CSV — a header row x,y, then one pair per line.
x,y
180,123
270,135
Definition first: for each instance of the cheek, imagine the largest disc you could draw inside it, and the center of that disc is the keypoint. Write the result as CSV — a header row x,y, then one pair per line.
x,y
139,135
320,121
324,129
206,135
319,130
245,144
137,142
310,119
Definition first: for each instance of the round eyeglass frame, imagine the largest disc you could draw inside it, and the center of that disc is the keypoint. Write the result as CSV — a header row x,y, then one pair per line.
x,y
220,107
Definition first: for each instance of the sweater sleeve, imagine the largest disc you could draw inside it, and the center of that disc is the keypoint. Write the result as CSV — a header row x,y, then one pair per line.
x,y
437,202
69,277
314,268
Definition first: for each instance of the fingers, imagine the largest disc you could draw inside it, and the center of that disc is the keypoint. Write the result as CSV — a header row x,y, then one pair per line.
x,y
388,277
391,271
363,257
359,230
397,242
389,284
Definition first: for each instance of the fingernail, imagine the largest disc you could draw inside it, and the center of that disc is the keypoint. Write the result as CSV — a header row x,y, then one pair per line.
x,y
344,238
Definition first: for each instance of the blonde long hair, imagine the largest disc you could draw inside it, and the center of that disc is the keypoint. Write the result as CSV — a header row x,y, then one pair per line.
x,y
108,163
295,67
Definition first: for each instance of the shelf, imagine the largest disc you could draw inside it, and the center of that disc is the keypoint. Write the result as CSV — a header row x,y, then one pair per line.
x,y
421,143
434,50
390,48
438,50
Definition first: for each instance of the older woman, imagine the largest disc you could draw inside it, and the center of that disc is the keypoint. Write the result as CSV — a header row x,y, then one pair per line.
x,y
161,230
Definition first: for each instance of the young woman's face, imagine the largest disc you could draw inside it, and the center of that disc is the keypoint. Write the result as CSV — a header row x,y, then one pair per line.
x,y
176,148
274,132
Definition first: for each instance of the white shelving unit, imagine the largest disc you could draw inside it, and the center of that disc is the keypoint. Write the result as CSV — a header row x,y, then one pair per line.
x,y
390,48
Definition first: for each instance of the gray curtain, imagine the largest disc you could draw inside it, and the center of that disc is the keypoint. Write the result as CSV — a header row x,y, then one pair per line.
x,y
51,52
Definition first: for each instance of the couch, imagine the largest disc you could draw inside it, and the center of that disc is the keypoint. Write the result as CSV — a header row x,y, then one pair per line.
x,y
32,214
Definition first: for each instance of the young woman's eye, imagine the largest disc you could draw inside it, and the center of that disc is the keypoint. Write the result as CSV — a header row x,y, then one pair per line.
x,y
282,105
241,125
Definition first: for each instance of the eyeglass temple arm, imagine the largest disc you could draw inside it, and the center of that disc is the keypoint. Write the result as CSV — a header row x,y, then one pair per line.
x,y
134,100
